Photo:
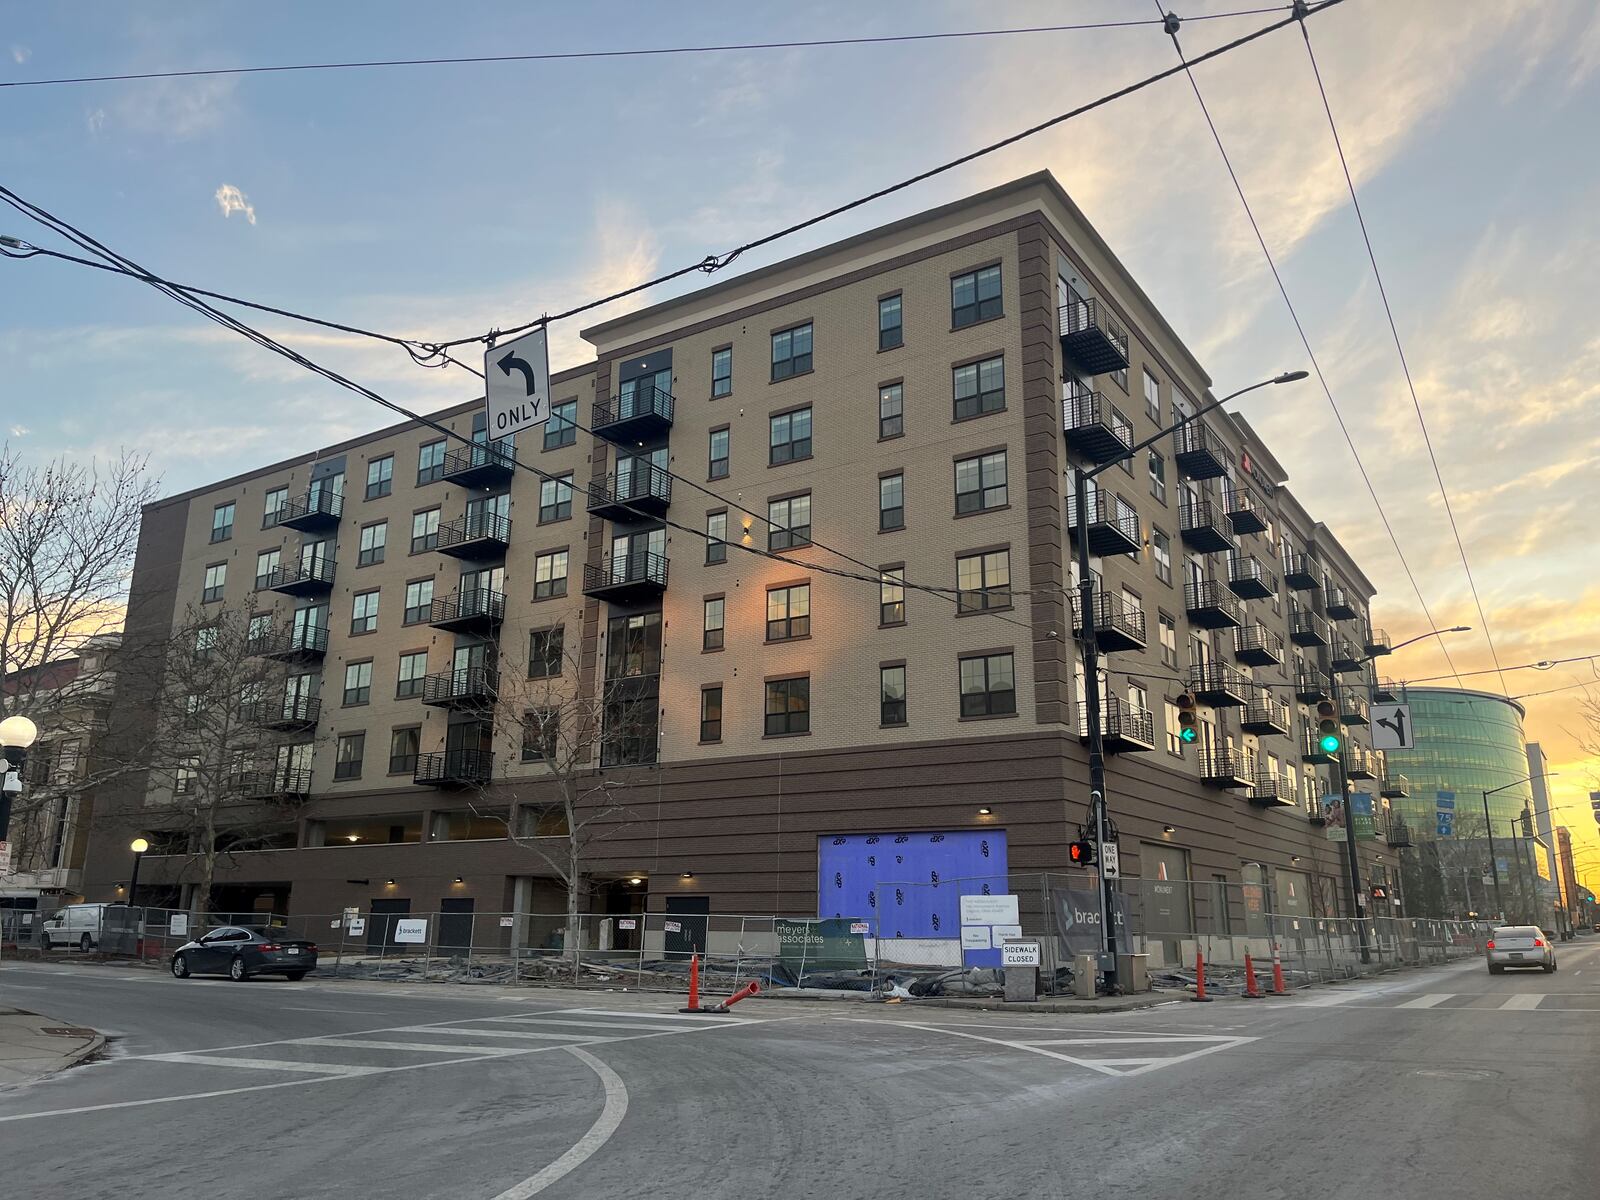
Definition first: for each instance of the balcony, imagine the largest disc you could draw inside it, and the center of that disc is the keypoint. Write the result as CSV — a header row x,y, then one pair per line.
x,y
1339,605
467,689
1300,572
1359,763
1306,628
275,784
626,496
1249,580
1345,656
1271,791
626,578
1123,730
629,419
1224,769
1394,787
1198,453
1397,833
482,464
1091,338
1113,523
473,610
1378,644
1311,750
1202,528
1265,715
1309,686
454,768
1117,625
1386,691
313,512
304,643
1220,686
1094,428
289,714
1257,646
476,537
1211,606
1243,510
1353,708
314,577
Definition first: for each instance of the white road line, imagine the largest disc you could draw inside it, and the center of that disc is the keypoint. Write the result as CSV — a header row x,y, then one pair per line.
x,y
1427,1001
1105,1041
375,1012
269,1064
599,1025
425,1047
690,1018
616,1107
495,1033
1523,1001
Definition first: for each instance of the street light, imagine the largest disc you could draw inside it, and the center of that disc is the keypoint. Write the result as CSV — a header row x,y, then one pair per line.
x,y
17,733
139,845
1488,821
1091,660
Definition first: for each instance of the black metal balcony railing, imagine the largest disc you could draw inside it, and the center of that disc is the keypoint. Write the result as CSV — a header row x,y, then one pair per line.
x,y
1310,686
1265,714
1202,527
1300,571
1257,646
1385,691
476,536
1113,522
643,490
454,768
275,783
1378,643
482,463
1338,603
633,416
621,578
1353,708
1211,606
1094,428
1345,656
1092,338
288,712
1394,787
1123,729
1306,628
311,577
469,609
1244,510
1224,769
468,687
1219,685
1198,452
1397,834
1272,791
1249,580
1311,750
293,643
1117,624
1359,762
317,509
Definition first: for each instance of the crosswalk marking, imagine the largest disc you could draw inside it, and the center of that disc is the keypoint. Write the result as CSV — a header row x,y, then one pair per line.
x,y
266,1064
542,1020
531,1034
424,1047
1427,1001
1525,1001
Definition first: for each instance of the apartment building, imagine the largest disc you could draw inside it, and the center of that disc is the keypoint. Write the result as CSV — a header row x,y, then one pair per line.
x,y
803,538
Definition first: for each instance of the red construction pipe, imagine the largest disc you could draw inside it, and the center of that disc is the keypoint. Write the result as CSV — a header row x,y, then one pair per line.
x,y
1200,976
744,993
1252,990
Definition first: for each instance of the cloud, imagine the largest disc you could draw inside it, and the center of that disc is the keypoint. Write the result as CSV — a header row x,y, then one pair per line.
x,y
176,109
20,54
231,200
95,121
18,431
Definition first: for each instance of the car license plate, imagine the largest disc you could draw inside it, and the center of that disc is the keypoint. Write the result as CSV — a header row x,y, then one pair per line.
x,y
1513,955
296,950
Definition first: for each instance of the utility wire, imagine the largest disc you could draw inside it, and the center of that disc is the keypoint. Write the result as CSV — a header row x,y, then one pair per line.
x,y
662,51
1394,332
1300,329
1544,664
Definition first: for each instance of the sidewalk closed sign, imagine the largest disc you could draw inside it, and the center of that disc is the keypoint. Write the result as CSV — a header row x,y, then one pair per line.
x,y
1019,954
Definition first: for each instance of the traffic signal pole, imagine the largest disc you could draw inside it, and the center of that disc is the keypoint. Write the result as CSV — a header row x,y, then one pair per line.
x,y
1341,780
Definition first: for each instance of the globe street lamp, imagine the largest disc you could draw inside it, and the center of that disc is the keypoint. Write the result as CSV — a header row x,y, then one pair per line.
x,y
17,733
139,845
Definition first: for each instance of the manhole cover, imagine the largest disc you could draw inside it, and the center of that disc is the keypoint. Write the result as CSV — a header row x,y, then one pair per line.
x,y
1455,1073
68,1031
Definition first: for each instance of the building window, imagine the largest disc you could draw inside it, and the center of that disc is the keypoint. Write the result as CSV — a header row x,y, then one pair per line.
x,y
1138,699
403,747
981,483
419,601
222,522
216,579
205,640
550,575
1174,730
722,372
988,686
555,498
1169,639
380,477
711,713
891,411
272,507
413,667
791,352
890,331
547,652
984,581
979,387
267,562
347,759
430,462
358,683
974,297
892,695
1121,376
716,537
788,612
718,454
789,522
892,596
789,437
364,613
1152,396
1161,549
424,530
788,708
562,427
187,776
374,539
1158,477
892,501
711,628
539,729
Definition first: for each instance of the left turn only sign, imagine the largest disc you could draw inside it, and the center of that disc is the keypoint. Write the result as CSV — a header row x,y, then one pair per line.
x,y
516,377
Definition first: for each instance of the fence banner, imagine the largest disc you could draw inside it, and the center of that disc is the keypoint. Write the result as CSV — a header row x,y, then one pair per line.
x,y
1078,919
832,944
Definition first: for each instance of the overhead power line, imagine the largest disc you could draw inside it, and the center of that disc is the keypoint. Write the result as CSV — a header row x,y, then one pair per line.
x,y
647,52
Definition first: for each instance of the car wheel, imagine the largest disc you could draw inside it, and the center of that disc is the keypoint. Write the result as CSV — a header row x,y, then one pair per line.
x,y
180,966
1548,968
1554,965
237,971
86,943
295,976
1494,970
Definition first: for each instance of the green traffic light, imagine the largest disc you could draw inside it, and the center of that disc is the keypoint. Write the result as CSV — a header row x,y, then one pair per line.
x,y
1329,743
1188,734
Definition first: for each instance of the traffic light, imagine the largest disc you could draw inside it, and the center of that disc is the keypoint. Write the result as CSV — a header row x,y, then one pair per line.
x,y
1189,720
1328,737
1527,824
1081,854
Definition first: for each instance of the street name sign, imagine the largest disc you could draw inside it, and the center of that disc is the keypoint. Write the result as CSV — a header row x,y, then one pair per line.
x,y
516,384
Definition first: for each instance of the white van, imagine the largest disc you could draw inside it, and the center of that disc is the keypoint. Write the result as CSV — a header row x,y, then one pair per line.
x,y
75,925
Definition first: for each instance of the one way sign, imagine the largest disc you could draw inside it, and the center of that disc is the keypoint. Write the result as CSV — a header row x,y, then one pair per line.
x,y
1391,727
516,379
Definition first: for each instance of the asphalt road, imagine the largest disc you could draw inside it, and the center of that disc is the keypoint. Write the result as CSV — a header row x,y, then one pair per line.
x,y
1429,1084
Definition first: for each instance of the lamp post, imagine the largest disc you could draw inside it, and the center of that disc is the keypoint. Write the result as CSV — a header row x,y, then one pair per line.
x,y
1488,824
17,733
1091,663
139,845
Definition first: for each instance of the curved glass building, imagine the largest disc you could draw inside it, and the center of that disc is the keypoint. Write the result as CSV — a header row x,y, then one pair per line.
x,y
1466,742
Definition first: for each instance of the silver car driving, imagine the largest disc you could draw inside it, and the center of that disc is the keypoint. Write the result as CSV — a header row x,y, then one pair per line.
x,y
1520,946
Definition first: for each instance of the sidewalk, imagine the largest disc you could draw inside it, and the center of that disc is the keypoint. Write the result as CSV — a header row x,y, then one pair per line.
x,y
32,1046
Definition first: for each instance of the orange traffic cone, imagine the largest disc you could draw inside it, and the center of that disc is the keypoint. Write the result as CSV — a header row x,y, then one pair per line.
x,y
1200,977
1252,990
694,981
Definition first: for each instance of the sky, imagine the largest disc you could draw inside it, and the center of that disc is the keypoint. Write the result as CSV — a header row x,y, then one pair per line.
x,y
441,201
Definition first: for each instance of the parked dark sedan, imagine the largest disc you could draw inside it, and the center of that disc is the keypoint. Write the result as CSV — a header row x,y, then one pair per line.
x,y
241,953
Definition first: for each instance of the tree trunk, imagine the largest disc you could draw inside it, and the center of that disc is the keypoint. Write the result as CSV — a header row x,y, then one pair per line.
x,y
574,933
